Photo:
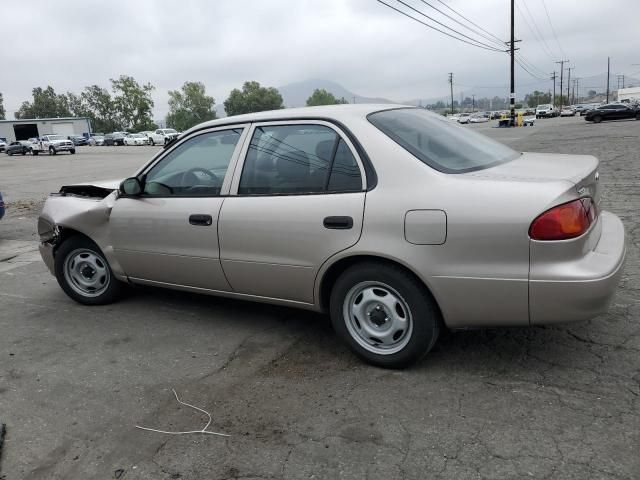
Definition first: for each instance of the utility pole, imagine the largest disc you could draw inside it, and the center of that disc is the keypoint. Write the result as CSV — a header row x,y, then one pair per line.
x,y
578,89
608,74
561,62
354,99
569,83
553,77
451,85
473,103
512,48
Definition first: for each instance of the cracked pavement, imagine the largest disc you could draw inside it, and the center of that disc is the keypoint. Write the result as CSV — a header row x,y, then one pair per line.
x,y
547,402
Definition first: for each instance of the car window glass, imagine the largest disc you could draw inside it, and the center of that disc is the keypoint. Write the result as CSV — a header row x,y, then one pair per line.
x,y
288,159
345,173
196,167
440,143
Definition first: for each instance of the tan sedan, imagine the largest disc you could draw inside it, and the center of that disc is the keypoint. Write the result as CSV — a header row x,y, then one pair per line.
x,y
393,219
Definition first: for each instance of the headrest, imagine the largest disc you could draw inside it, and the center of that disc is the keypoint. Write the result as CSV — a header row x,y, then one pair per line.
x,y
292,165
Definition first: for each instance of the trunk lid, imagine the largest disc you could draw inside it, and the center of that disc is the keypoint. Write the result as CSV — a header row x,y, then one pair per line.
x,y
580,170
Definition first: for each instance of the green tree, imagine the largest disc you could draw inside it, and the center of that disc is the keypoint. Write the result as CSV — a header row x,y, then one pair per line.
x,y
133,103
100,108
189,106
2,111
46,104
536,98
322,97
252,98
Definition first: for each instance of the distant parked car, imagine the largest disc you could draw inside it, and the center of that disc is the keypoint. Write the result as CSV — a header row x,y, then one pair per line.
x,y
1,206
96,140
115,138
21,147
478,118
464,118
53,144
546,111
3,145
567,112
162,136
612,111
136,139
78,140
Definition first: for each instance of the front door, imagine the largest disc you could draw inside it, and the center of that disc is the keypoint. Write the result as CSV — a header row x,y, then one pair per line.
x,y
298,200
169,234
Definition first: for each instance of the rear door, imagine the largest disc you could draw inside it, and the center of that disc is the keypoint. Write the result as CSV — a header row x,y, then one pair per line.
x,y
169,234
296,199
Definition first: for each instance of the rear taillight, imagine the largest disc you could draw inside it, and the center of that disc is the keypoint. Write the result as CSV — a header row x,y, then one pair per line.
x,y
565,221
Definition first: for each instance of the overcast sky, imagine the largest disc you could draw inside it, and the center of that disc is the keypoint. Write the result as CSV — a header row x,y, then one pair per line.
x,y
361,44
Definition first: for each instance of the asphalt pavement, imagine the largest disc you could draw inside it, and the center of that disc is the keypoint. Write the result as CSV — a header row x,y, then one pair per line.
x,y
547,402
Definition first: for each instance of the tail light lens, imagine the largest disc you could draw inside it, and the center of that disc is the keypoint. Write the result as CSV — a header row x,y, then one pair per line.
x,y
565,221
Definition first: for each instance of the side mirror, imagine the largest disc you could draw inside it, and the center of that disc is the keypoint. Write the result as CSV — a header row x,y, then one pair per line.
x,y
131,186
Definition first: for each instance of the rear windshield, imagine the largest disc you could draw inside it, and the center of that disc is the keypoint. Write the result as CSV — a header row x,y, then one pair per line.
x,y
438,142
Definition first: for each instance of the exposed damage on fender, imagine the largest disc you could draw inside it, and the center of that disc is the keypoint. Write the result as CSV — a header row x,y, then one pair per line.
x,y
78,209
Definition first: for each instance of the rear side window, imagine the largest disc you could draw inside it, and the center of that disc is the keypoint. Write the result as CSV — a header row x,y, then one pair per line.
x,y
298,159
438,142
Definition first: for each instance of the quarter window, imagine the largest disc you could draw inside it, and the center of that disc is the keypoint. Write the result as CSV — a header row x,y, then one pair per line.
x,y
298,159
194,168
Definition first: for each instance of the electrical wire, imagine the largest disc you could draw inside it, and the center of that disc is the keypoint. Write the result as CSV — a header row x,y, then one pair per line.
x,y
471,22
538,36
553,29
490,37
477,44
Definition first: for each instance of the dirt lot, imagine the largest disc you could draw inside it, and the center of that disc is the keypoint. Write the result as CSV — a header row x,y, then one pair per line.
x,y
558,402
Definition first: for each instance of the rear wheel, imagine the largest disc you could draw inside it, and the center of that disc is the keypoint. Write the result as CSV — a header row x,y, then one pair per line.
x,y
151,142
73,151
385,314
597,119
52,151
34,152
84,274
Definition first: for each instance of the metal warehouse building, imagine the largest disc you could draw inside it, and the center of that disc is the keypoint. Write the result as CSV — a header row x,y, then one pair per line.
x,y
13,130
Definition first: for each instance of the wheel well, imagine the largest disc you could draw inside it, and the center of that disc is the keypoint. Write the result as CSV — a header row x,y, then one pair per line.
x,y
335,270
64,234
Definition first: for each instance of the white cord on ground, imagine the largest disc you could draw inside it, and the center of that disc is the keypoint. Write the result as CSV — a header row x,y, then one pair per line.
x,y
204,430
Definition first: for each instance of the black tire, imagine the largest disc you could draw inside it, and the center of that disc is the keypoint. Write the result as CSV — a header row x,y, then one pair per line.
x,y
9,153
151,142
73,151
52,151
597,118
109,290
424,316
24,152
34,152
637,116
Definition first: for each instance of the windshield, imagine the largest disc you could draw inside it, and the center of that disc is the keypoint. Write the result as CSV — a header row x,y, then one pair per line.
x,y
439,143
544,106
169,130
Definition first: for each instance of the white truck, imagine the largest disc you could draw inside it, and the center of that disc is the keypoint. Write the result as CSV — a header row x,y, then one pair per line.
x,y
52,144
546,111
162,136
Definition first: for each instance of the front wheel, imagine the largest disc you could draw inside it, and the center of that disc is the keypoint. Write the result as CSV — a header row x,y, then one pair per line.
x,y
597,119
52,151
385,314
84,274
73,151
34,152
151,142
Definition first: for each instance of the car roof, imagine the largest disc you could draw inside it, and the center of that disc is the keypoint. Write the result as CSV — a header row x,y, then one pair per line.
x,y
340,113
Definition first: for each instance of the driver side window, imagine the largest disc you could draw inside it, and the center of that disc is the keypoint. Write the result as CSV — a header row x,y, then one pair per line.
x,y
195,168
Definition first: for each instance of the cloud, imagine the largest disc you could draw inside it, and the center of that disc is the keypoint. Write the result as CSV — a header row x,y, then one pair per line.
x,y
361,44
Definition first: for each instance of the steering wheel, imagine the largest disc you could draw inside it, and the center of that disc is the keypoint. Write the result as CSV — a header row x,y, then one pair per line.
x,y
193,171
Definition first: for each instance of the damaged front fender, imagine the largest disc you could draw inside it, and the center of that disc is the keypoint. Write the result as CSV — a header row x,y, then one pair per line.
x,y
78,209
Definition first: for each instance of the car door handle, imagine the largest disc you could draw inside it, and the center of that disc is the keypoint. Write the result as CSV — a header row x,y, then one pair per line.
x,y
338,223
200,219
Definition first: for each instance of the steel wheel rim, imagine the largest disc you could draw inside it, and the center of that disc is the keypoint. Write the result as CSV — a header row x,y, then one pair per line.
x,y
86,272
377,318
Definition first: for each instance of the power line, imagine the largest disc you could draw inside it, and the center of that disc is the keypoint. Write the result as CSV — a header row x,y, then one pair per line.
x,y
472,23
489,37
538,36
522,65
477,43
552,29
540,73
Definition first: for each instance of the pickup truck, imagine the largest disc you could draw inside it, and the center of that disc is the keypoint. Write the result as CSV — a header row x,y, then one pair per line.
x,y
162,136
52,144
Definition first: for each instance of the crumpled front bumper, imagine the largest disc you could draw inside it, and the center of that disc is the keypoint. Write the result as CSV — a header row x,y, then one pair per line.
x,y
46,252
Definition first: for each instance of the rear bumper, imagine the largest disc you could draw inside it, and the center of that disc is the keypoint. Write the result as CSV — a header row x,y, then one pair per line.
x,y
573,289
